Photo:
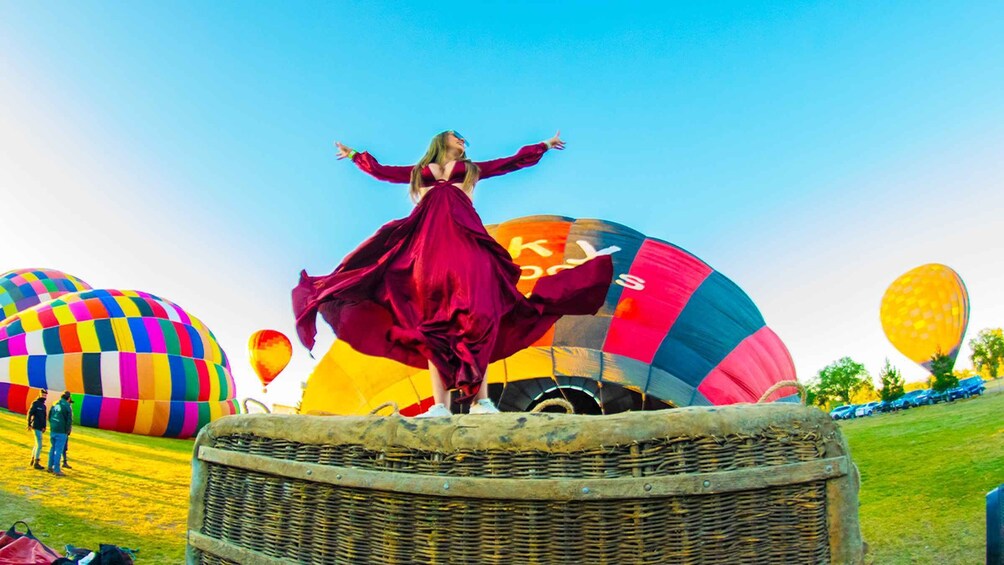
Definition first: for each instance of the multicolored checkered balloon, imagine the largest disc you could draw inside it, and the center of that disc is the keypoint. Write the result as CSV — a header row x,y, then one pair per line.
x,y
23,288
137,363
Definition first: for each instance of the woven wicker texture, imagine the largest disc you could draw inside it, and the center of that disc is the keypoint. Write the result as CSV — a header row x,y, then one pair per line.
x,y
307,521
210,559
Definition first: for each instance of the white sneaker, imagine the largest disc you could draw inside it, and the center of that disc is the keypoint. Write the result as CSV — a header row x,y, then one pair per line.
x,y
483,406
435,411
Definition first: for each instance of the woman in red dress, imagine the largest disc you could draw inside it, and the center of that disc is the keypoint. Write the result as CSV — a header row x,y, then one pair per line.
x,y
434,289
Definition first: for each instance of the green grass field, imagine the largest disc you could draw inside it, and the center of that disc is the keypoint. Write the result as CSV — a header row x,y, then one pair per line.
x,y
124,489
924,475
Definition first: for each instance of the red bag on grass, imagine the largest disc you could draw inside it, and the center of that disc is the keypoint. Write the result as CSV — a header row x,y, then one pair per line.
x,y
24,549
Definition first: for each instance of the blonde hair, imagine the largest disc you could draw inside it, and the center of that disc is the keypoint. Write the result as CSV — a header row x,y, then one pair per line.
x,y
437,154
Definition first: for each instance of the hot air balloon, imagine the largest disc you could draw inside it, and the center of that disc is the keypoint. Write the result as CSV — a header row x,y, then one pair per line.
x,y
133,361
673,332
23,288
270,352
925,312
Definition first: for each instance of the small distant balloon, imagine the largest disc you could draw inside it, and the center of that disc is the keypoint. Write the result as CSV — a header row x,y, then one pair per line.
x,y
925,312
270,353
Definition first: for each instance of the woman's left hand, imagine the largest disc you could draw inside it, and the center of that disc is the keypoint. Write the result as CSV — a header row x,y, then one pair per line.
x,y
556,142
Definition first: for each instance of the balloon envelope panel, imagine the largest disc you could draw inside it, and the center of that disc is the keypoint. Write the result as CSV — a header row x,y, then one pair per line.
x,y
23,288
926,311
168,418
112,344
671,328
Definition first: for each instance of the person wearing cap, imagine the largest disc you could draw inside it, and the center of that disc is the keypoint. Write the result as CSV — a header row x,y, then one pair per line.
x,y
36,423
60,420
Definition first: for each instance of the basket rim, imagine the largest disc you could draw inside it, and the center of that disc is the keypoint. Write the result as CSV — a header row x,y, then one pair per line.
x,y
517,431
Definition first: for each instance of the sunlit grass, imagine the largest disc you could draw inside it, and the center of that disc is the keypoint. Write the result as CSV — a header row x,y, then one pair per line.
x,y
123,489
924,475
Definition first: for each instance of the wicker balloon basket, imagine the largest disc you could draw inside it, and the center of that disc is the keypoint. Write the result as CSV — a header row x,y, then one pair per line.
x,y
739,484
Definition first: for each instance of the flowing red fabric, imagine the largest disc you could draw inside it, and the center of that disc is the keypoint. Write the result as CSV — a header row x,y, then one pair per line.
x,y
435,286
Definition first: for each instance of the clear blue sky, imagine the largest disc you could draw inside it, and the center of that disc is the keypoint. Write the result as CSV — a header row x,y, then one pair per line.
x,y
810,151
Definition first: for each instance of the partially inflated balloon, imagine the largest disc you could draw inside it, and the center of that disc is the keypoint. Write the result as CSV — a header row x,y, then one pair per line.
x,y
925,312
270,353
136,362
672,332
23,288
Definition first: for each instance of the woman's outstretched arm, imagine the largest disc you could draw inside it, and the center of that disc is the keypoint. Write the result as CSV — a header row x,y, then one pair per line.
x,y
525,157
368,164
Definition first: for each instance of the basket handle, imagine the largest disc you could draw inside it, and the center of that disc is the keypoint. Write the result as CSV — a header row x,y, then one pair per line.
x,y
259,403
13,533
781,384
569,409
390,403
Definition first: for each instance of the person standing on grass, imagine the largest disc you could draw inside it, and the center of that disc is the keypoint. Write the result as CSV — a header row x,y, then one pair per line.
x,y
36,423
60,420
66,446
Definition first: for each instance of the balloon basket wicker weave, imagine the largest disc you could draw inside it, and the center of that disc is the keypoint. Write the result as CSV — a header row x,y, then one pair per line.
x,y
738,484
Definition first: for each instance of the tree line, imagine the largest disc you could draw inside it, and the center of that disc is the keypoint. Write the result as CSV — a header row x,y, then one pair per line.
x,y
841,381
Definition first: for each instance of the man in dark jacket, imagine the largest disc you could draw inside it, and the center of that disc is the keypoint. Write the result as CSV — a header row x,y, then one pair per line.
x,y
36,423
60,420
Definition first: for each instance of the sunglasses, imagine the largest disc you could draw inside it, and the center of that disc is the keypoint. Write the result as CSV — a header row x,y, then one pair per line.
x,y
460,136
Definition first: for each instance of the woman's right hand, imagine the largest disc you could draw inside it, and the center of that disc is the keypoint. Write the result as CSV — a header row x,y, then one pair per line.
x,y
343,151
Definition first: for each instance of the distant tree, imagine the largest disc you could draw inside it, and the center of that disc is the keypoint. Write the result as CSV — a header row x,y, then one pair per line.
x,y
864,392
812,395
988,351
838,380
892,382
941,370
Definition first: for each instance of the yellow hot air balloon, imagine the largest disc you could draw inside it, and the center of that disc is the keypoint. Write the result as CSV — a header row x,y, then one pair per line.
x,y
270,353
925,312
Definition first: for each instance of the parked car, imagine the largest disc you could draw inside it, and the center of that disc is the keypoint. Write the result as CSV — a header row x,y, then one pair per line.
x,y
844,412
973,386
866,409
937,397
884,406
912,399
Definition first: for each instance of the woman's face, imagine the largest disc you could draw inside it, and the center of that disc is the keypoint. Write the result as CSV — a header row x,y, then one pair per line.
x,y
454,141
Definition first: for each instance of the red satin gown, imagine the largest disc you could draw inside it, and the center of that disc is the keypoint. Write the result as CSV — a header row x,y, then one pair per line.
x,y
435,286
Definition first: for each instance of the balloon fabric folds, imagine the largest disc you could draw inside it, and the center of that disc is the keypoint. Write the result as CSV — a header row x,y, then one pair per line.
x,y
925,312
673,332
133,362
270,352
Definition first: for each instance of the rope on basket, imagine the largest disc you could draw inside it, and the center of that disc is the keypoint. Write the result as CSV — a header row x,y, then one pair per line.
x,y
569,409
780,385
390,403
